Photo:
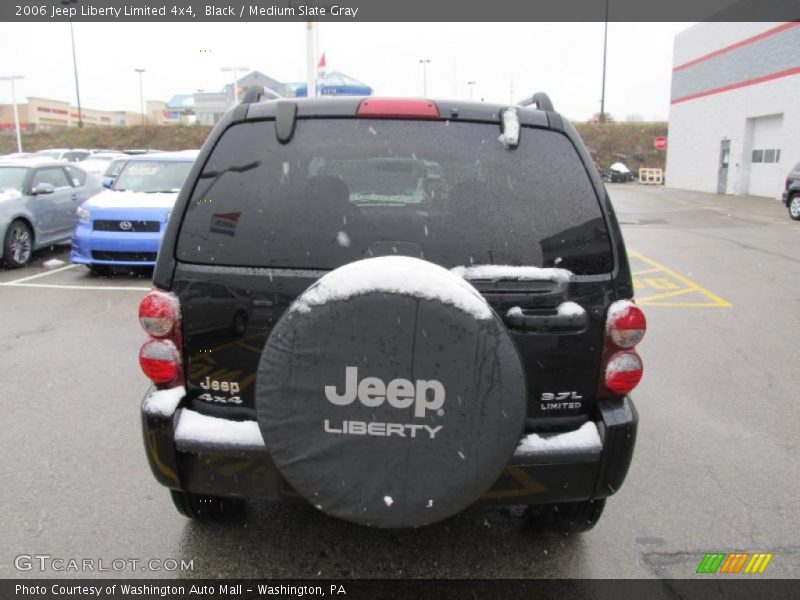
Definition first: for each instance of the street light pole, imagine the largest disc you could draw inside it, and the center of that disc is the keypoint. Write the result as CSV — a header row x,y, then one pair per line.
x,y
75,63
424,62
235,71
311,59
603,92
11,79
471,85
141,93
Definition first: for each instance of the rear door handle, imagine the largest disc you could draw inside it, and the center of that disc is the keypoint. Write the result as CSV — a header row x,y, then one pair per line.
x,y
538,323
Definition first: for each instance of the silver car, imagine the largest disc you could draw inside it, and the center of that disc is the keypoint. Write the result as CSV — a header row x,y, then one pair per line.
x,y
38,200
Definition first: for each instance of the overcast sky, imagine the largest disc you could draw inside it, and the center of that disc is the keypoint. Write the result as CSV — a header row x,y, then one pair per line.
x,y
563,59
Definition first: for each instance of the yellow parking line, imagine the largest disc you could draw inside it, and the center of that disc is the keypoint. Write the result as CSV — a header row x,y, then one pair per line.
x,y
684,304
645,272
720,302
666,295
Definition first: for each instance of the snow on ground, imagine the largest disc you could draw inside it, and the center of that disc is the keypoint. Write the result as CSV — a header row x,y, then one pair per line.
x,y
53,263
585,438
512,272
395,274
213,431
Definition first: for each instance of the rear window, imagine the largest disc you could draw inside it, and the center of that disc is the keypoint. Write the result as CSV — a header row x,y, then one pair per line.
x,y
153,176
347,189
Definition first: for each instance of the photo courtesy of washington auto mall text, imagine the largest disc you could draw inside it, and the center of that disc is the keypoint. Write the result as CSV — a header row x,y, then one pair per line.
x,y
375,299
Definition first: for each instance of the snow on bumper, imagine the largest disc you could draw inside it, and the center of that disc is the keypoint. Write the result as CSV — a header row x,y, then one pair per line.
x,y
194,452
583,441
198,432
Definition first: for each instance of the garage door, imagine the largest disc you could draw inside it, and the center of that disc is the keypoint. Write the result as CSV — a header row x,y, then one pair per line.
x,y
766,173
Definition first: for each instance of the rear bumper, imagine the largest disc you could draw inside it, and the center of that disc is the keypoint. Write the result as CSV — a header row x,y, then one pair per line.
x,y
208,455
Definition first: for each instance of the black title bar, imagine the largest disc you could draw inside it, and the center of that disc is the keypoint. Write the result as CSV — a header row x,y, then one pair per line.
x,y
398,10
708,587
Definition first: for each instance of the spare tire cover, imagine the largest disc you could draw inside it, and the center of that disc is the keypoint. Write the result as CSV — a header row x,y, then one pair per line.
x,y
390,394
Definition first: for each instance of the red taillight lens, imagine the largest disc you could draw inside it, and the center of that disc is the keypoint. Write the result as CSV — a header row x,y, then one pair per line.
x,y
158,313
623,372
397,108
160,360
626,324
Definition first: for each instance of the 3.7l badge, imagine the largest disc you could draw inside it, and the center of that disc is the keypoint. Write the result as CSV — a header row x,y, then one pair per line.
x,y
560,401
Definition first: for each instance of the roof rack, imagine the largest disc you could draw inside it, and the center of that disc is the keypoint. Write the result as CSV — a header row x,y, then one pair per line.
x,y
541,100
253,94
257,93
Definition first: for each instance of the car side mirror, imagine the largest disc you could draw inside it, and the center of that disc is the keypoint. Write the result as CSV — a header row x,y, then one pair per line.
x,y
43,188
107,182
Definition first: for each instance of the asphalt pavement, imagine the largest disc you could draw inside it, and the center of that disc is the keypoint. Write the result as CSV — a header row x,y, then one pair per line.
x,y
716,468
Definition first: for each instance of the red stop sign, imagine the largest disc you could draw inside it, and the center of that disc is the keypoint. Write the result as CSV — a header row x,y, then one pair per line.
x,y
660,142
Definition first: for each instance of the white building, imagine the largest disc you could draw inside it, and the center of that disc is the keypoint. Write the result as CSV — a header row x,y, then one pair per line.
x,y
734,121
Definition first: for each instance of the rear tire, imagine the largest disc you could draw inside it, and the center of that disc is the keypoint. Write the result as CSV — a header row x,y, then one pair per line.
x,y
794,207
17,245
567,517
206,508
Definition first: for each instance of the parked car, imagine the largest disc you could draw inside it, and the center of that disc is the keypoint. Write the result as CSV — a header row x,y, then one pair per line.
x,y
123,225
791,194
620,173
113,169
38,199
412,350
73,155
97,163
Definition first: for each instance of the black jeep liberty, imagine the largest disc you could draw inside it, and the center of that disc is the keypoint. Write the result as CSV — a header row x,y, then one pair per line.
x,y
394,309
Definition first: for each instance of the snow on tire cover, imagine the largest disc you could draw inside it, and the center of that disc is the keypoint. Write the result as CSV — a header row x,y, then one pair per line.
x,y
390,394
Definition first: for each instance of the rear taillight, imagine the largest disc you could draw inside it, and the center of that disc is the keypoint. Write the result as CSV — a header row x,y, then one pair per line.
x,y
622,367
623,372
160,355
160,361
158,313
625,324
397,108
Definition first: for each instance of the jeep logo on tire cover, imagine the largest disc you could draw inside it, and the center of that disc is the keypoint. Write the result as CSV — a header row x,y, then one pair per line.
x,y
399,393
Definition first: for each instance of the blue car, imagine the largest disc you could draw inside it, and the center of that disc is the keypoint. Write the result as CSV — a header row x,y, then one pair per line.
x,y
123,226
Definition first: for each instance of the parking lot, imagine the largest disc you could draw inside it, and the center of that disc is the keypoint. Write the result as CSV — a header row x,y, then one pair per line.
x,y
715,469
